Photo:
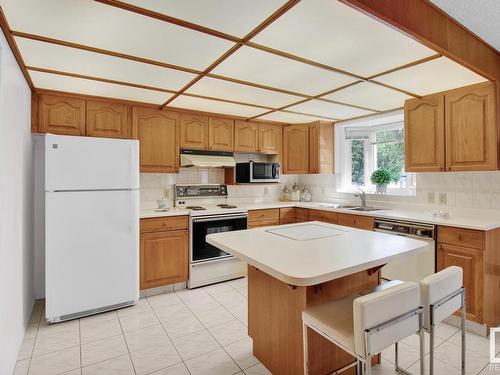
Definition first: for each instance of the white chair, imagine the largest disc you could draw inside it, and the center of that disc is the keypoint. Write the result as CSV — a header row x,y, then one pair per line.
x,y
366,325
442,294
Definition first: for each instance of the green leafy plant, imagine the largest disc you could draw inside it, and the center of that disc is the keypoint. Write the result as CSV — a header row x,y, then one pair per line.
x,y
381,177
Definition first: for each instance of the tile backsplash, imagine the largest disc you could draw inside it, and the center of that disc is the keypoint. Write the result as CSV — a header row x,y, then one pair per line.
x,y
479,190
161,185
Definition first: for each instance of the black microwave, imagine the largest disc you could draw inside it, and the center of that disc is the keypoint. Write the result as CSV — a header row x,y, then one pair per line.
x,y
257,172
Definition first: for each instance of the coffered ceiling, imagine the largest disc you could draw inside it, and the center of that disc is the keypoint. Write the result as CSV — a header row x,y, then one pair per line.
x,y
290,61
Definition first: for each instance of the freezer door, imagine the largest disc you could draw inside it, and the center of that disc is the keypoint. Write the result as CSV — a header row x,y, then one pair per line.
x,y
89,163
92,251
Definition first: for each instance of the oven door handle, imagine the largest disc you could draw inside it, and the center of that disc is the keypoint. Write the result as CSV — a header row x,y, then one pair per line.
x,y
216,218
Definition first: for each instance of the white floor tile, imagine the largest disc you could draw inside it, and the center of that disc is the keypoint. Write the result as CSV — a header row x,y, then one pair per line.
x,y
451,354
182,327
173,312
141,306
26,349
472,341
71,327
178,369
138,320
242,353
102,350
154,358
229,332
51,343
445,330
440,368
56,363
31,331
166,299
408,355
414,341
144,337
22,367
259,369
101,330
215,317
217,362
98,318
116,366
195,344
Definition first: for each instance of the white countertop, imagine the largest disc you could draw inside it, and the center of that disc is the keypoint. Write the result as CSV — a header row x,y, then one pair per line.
x,y
314,261
470,220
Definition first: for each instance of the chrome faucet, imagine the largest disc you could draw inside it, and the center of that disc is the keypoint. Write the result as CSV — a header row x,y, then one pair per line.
x,y
362,196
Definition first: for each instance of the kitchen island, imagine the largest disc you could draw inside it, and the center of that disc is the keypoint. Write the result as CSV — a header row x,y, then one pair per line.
x,y
292,267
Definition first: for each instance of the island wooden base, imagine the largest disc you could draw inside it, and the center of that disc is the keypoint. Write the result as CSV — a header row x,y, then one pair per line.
x,y
275,322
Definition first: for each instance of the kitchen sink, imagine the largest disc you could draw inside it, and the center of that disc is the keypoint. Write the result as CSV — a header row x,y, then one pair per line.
x,y
367,209
335,205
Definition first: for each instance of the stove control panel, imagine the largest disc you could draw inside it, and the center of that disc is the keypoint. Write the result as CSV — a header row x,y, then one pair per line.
x,y
193,191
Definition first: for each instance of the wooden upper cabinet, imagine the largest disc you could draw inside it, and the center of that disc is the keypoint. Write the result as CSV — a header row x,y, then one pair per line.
x,y
108,119
158,134
221,134
270,137
61,115
424,134
194,131
471,134
321,147
296,149
246,136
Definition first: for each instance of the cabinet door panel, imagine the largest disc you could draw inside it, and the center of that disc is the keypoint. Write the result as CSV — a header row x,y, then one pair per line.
x,y
296,149
471,261
221,134
61,115
424,134
164,258
270,138
246,136
194,131
107,119
471,139
356,221
157,132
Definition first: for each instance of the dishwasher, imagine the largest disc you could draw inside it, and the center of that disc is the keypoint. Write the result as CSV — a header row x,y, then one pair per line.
x,y
411,267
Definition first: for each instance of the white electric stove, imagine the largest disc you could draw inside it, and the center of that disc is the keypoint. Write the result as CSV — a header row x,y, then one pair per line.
x,y
209,213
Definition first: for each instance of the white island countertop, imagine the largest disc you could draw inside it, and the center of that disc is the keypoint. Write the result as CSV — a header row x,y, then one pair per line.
x,y
333,251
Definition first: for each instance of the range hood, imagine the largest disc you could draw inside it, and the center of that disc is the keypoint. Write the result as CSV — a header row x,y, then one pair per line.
x,y
207,159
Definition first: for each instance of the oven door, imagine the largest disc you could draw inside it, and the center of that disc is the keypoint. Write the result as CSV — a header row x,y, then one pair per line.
x,y
264,172
200,250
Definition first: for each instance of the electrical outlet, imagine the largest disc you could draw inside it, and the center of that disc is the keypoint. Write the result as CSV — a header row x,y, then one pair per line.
x,y
431,197
442,198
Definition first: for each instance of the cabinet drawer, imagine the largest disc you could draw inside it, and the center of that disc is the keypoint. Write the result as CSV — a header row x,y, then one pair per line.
x,y
267,214
263,223
461,237
325,216
356,221
159,224
290,215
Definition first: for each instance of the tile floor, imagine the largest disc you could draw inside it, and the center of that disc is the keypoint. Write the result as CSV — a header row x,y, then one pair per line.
x,y
198,332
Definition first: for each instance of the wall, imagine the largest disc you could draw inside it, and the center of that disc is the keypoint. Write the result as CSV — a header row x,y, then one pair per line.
x,y
16,208
161,185
478,190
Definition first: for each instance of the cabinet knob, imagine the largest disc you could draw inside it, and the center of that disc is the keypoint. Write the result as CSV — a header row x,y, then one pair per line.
x,y
460,237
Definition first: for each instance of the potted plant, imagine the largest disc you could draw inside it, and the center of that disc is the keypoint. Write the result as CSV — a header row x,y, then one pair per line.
x,y
381,177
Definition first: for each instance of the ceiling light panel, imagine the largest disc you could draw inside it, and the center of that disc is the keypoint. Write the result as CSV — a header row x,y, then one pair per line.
x,y
289,118
208,105
253,65
88,87
216,14
234,91
320,108
107,27
72,60
370,95
433,76
335,34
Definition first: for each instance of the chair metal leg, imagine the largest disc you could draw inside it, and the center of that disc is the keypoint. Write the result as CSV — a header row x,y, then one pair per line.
x,y
422,344
359,368
306,353
462,327
368,365
431,348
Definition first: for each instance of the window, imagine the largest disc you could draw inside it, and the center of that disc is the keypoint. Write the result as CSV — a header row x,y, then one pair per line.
x,y
370,145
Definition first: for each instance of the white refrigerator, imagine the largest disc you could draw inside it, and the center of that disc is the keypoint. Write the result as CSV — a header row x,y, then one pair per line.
x,y
90,224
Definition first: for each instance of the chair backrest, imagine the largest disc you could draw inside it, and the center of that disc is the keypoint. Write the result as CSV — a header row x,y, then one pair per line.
x,y
383,306
435,287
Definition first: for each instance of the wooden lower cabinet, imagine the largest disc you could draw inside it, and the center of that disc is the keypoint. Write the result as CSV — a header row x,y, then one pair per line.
x,y
263,218
164,251
324,216
355,221
290,215
471,261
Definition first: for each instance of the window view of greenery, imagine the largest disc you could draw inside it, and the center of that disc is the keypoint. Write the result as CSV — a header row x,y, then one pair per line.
x,y
390,152
358,162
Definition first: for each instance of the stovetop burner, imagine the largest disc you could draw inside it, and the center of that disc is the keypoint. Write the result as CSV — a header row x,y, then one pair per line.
x,y
195,208
226,206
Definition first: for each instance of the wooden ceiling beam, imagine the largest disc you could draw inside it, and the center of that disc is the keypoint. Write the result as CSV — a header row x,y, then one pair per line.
x,y
15,50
